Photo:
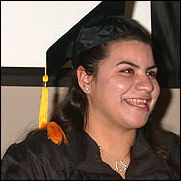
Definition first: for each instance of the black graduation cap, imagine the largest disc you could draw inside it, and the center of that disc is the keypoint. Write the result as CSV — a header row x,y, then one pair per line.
x,y
62,50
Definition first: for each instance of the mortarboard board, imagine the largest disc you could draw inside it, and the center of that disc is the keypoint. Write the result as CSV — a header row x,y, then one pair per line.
x,y
62,50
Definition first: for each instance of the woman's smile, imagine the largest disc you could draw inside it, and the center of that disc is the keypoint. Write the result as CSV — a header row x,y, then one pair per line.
x,y
139,103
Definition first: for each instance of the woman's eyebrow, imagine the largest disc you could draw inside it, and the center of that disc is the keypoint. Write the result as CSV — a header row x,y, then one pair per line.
x,y
128,63
135,65
152,67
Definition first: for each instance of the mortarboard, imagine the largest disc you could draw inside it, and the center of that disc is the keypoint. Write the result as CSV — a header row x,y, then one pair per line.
x,y
73,42
63,49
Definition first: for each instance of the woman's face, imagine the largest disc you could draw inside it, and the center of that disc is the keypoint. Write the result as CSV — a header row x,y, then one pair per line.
x,y
125,89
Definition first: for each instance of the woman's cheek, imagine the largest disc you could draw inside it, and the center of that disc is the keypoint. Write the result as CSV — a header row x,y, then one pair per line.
x,y
124,84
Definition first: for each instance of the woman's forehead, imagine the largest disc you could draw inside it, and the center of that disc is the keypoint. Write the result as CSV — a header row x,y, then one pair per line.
x,y
127,44
131,50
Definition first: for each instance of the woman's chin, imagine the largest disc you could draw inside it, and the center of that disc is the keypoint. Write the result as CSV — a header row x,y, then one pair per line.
x,y
135,124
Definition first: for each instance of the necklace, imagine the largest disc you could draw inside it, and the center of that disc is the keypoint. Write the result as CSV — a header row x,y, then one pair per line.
x,y
119,164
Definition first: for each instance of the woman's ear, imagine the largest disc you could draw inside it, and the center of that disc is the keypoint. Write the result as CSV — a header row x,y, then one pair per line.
x,y
83,79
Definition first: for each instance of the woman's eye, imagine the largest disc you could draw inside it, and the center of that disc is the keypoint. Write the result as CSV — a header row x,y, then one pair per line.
x,y
128,70
151,74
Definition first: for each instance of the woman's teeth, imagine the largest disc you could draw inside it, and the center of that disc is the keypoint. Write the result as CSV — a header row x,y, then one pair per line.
x,y
137,102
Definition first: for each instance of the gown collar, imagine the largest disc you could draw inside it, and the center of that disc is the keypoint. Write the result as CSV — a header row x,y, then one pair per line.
x,y
144,161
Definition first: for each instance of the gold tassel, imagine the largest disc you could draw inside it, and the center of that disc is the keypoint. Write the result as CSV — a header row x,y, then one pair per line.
x,y
43,114
56,134
54,131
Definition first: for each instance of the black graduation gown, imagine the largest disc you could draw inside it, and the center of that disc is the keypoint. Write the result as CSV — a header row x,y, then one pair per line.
x,y
38,158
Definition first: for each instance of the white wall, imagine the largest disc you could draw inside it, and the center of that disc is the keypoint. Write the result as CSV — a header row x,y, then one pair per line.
x,y
29,28
142,13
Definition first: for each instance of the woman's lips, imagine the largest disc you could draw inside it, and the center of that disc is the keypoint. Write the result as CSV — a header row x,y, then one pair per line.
x,y
140,103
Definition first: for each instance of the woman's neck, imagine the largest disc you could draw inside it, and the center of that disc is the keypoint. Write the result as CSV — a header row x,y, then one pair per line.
x,y
115,146
116,141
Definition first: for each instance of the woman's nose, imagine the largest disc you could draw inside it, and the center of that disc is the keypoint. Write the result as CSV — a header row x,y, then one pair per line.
x,y
144,83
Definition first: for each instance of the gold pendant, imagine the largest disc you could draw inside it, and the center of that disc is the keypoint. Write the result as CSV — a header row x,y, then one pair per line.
x,y
122,164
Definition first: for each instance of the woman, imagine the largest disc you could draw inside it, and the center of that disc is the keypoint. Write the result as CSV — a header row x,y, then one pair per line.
x,y
105,115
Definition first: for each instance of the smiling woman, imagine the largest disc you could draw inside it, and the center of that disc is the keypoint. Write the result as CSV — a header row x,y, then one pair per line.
x,y
104,118
124,97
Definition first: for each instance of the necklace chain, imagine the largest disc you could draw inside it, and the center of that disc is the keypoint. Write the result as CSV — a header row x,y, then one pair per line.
x,y
119,164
